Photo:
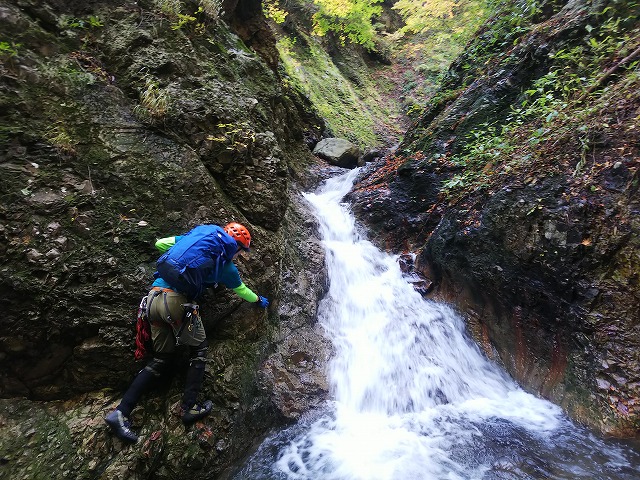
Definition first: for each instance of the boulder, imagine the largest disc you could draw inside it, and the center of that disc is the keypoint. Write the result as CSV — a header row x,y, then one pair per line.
x,y
369,155
338,151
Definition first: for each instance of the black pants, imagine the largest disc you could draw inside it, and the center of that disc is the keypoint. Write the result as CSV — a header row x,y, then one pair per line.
x,y
157,370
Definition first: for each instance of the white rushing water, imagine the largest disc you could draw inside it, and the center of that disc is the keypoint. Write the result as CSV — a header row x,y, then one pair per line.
x,y
414,398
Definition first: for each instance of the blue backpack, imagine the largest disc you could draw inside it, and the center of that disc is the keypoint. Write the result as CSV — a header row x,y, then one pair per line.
x,y
197,259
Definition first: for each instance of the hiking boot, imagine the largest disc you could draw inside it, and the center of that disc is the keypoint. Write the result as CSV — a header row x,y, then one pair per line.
x,y
195,413
120,426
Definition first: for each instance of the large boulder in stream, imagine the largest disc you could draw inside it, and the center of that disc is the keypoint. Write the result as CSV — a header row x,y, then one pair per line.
x,y
338,152
517,191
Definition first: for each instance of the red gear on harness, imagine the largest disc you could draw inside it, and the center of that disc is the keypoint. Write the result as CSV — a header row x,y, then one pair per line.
x,y
143,332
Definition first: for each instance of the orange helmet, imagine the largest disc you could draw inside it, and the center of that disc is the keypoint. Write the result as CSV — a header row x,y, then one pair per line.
x,y
239,233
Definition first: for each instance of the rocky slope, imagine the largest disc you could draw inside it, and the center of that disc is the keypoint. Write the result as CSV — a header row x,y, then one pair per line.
x,y
122,122
517,191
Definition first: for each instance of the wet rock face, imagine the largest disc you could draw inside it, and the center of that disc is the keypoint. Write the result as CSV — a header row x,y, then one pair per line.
x,y
115,130
543,258
295,372
546,282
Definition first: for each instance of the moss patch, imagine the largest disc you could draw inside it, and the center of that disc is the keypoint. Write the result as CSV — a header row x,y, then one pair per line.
x,y
354,110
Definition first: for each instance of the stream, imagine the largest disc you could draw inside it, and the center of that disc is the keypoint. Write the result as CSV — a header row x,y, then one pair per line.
x,y
413,397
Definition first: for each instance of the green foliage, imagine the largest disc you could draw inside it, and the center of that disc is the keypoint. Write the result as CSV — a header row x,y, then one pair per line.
x,y
550,108
8,50
95,22
272,10
509,21
575,70
154,102
194,21
182,20
350,20
454,16
350,111
485,147
58,136
434,33
234,137
79,23
415,11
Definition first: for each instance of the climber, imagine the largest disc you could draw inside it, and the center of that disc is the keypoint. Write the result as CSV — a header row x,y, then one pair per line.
x,y
190,263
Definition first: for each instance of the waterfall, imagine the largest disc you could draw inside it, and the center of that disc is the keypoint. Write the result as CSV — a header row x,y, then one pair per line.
x,y
413,396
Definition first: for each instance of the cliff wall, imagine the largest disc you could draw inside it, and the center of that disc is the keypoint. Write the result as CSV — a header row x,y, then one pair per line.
x,y
122,122
517,191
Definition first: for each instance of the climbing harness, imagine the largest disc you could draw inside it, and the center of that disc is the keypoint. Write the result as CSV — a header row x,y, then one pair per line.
x,y
191,319
143,331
